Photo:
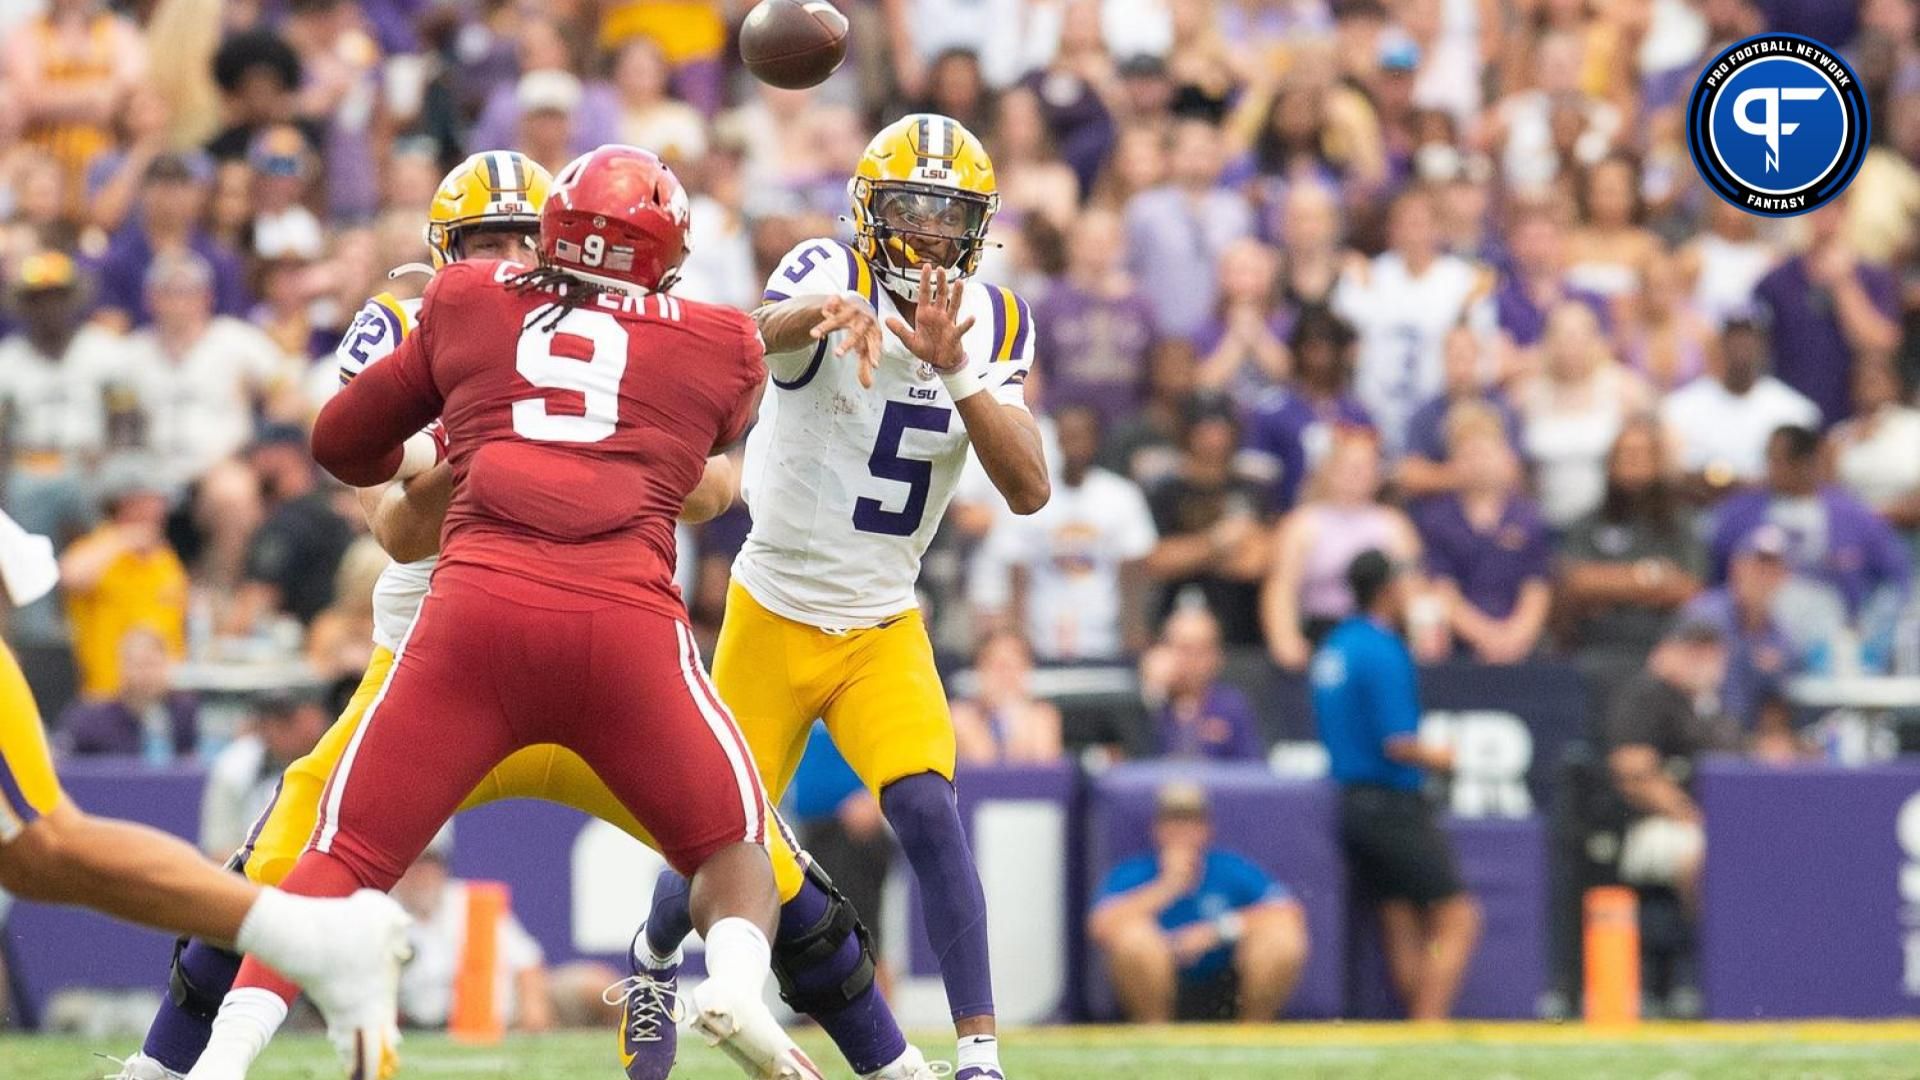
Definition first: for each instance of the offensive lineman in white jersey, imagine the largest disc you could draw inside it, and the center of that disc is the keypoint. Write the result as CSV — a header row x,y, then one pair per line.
x,y
848,474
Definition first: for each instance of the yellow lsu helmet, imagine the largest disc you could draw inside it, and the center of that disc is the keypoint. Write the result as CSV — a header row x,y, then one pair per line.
x,y
495,188
924,179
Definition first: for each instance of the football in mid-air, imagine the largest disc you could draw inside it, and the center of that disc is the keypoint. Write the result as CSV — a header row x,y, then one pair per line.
x,y
793,44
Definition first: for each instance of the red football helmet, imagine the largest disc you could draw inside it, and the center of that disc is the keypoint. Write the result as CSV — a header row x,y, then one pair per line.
x,y
617,216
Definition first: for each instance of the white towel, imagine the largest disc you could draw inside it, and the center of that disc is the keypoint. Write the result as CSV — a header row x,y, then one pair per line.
x,y
28,568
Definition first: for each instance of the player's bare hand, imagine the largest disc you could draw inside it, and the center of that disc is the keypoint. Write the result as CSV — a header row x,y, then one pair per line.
x,y
863,337
935,336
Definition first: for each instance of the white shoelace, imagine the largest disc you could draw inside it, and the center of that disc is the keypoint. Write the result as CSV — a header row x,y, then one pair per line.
x,y
122,1065
648,1000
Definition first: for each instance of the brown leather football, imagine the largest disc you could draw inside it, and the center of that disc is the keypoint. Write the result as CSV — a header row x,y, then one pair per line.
x,y
793,44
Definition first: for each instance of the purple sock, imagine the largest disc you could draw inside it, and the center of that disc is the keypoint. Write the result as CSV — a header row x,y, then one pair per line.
x,y
925,816
864,1029
177,1036
671,919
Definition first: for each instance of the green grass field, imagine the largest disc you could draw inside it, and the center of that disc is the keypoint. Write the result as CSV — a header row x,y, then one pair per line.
x,y
1284,1052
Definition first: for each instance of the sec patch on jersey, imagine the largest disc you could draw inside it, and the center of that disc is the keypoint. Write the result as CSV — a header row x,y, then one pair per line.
x,y
1778,125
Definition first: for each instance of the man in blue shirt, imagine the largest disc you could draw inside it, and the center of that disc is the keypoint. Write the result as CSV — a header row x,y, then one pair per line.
x,y
1366,701
1187,925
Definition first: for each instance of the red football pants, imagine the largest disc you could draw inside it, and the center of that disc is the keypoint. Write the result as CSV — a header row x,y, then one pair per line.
x,y
493,664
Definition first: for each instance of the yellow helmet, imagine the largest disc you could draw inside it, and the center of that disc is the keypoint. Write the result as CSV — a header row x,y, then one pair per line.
x,y
926,177
494,188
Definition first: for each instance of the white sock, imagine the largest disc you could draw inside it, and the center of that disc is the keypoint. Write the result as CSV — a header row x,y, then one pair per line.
x,y
739,957
982,1051
644,955
248,1018
279,929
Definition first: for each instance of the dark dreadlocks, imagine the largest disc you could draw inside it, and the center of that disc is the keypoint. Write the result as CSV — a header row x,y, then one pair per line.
x,y
569,293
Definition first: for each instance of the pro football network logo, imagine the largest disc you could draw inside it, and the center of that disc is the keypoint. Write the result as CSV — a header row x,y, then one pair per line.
x,y
1778,125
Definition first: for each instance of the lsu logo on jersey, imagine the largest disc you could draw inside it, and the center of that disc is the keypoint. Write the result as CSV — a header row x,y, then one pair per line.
x,y
1778,125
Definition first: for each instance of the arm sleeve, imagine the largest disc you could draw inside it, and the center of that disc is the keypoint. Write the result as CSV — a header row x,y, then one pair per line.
x,y
360,433
1539,555
374,333
999,346
753,383
1136,536
1439,561
1125,878
817,267
1003,355
1397,693
1247,884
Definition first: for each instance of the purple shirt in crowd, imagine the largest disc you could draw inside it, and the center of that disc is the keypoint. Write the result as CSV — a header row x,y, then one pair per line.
x,y
1427,427
595,122
1488,568
1822,20
122,274
1174,241
1291,432
1225,729
111,729
1251,379
1833,537
1810,353
1078,120
1096,348
1525,321
392,23
1758,660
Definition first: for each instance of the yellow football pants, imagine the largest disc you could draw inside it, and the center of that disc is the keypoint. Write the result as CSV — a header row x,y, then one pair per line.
x,y
548,772
28,786
877,689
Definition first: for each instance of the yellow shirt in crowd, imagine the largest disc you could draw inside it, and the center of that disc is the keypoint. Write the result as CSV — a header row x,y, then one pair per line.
x,y
685,30
137,590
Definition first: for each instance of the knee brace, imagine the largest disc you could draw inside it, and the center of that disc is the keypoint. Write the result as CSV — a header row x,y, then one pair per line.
x,y
191,996
815,956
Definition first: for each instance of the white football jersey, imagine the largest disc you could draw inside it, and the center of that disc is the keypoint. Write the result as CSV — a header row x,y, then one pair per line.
x,y
1403,321
847,484
375,333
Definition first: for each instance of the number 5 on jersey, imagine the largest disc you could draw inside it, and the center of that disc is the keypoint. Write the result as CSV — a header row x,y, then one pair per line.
x,y
886,463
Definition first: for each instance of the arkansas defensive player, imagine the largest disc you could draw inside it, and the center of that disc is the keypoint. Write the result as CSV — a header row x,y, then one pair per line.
x,y
580,402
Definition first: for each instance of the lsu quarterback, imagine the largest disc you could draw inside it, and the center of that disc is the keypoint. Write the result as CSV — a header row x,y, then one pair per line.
x,y
219,1013
848,474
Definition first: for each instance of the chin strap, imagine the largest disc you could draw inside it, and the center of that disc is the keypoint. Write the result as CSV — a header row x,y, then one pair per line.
x,y
404,269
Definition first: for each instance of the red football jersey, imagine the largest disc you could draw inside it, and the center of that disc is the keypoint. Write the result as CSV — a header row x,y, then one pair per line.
x,y
574,443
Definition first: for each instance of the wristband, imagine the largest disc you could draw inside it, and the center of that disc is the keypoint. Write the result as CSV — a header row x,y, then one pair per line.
x,y
418,454
963,384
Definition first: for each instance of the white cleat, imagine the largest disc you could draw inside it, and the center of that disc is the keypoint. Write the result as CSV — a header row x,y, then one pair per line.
x,y
142,1067
357,987
746,1031
912,1065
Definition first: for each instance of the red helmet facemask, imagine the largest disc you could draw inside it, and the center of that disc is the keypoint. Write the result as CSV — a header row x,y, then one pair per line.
x,y
616,217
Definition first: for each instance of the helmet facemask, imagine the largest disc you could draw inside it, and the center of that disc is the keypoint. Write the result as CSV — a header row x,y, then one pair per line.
x,y
455,237
905,226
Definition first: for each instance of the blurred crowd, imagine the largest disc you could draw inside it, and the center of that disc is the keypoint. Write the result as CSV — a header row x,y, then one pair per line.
x,y
1311,277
